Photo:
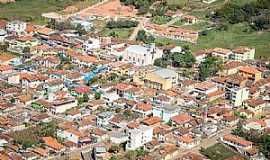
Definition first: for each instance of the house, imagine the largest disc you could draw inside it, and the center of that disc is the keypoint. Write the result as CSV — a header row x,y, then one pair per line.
x,y
53,144
138,136
256,125
17,27
141,55
143,109
104,118
182,120
243,53
165,112
187,141
236,90
231,67
222,53
161,78
70,134
90,45
255,105
175,33
250,72
207,90
62,105
242,146
189,19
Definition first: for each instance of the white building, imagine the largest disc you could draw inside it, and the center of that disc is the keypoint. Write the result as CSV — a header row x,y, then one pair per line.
x,y
141,55
243,53
17,27
61,106
236,90
3,35
90,45
165,112
103,119
138,137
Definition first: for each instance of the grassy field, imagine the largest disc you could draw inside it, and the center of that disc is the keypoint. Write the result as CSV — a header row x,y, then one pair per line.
x,y
218,152
122,33
160,20
233,37
31,10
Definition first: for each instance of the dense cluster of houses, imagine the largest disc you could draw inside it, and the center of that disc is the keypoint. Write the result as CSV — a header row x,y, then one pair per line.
x,y
106,92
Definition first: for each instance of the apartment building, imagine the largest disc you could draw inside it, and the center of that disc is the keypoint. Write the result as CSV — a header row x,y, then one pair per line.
x,y
243,53
138,136
236,90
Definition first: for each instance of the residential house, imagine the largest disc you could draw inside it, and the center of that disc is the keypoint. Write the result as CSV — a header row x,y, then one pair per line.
x,y
255,105
165,112
250,72
62,105
187,141
144,109
222,53
53,144
172,32
104,118
182,120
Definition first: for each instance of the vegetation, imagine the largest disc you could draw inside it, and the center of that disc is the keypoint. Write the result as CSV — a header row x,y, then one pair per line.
x,y
143,6
209,67
184,59
161,20
122,33
97,95
218,152
30,136
31,10
142,36
262,140
121,24
256,13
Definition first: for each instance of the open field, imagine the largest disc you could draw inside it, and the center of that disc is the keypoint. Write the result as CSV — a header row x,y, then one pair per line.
x,y
218,152
28,10
122,33
110,8
233,37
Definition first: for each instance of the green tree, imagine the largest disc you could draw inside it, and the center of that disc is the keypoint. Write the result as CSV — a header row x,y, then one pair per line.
x,y
97,95
209,67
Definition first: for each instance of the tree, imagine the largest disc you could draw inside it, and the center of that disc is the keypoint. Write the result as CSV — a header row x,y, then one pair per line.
x,y
113,158
209,67
97,95
183,60
114,148
141,36
80,29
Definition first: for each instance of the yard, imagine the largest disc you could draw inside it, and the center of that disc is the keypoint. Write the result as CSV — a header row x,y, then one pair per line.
x,y
218,152
31,10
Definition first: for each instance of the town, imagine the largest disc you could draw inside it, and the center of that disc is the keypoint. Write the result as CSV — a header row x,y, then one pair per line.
x,y
126,80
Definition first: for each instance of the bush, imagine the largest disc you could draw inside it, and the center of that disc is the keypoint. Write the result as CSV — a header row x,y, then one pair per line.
x,y
121,24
